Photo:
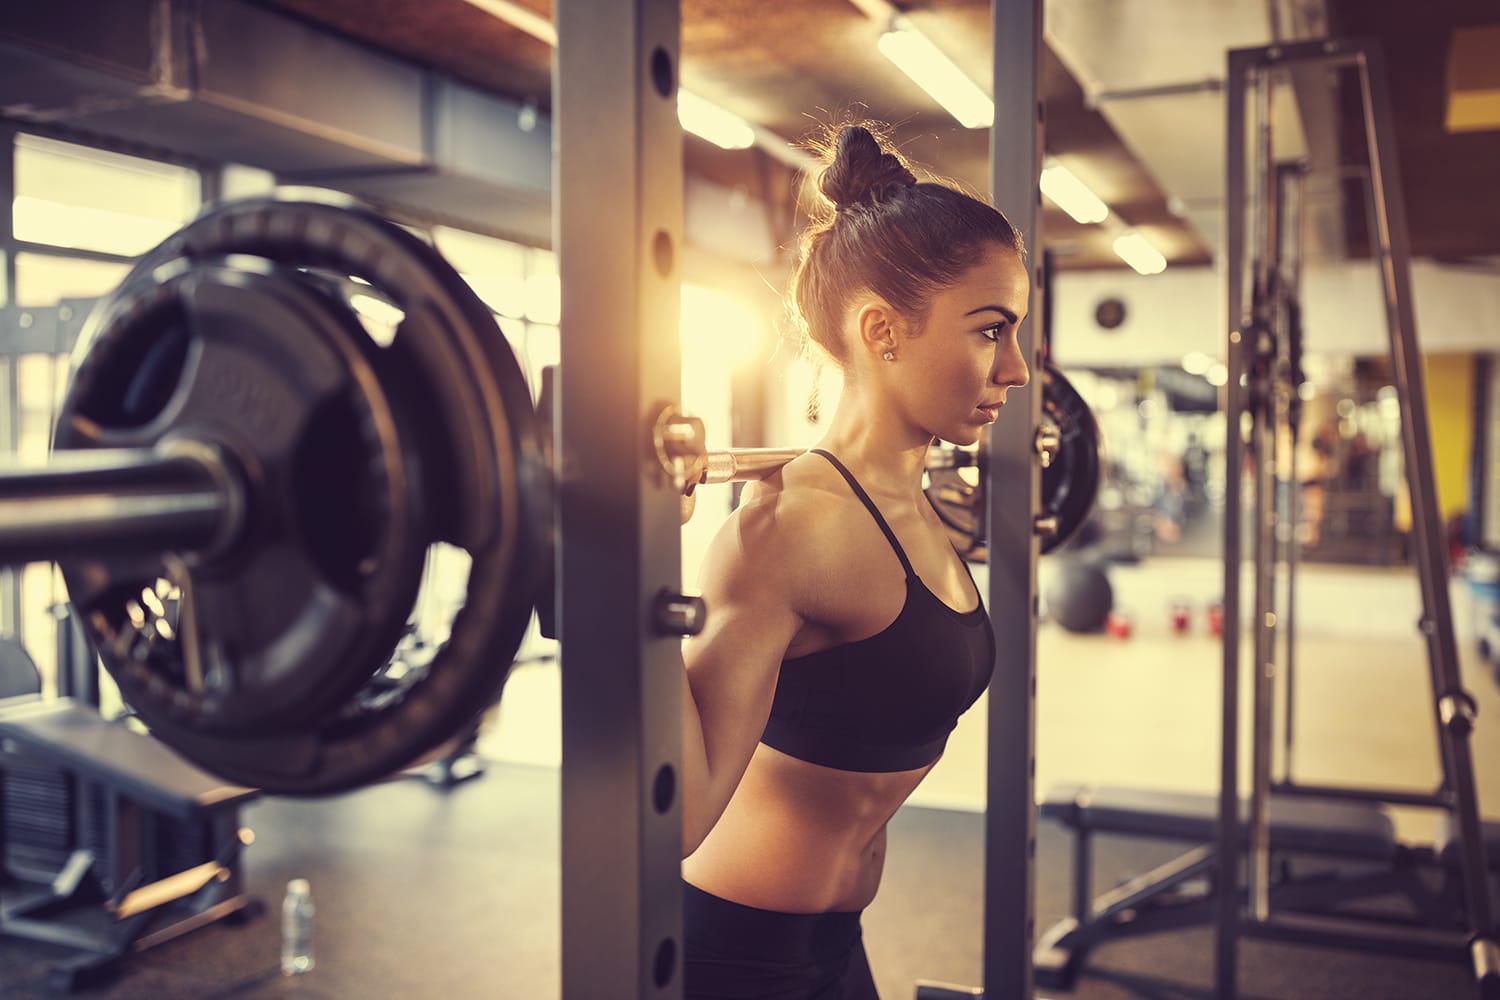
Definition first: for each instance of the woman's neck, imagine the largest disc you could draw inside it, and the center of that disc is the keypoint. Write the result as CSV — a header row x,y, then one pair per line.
x,y
887,455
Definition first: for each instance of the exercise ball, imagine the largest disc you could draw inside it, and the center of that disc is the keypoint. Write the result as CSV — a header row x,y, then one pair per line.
x,y
1079,597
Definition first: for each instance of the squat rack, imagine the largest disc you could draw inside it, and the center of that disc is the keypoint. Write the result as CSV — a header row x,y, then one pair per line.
x,y
618,233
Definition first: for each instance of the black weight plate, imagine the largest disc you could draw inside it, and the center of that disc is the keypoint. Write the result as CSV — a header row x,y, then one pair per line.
x,y
957,495
241,355
1070,483
546,600
482,476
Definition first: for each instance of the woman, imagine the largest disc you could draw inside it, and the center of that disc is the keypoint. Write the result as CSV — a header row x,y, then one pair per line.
x,y
845,636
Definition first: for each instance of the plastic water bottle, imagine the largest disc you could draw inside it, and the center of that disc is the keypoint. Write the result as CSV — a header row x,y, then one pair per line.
x,y
297,928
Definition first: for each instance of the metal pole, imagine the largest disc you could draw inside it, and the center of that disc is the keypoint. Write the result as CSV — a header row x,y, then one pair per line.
x,y
1263,457
10,446
1227,878
737,465
7,216
1014,486
1454,707
1286,175
618,223
1406,361
10,397
741,464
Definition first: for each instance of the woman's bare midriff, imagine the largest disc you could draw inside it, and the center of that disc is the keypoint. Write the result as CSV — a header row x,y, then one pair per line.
x,y
800,838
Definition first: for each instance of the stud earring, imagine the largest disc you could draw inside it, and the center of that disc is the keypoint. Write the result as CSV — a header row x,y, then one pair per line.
x,y
889,355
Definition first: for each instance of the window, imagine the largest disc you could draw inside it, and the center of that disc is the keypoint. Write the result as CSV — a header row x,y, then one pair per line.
x,y
88,199
44,280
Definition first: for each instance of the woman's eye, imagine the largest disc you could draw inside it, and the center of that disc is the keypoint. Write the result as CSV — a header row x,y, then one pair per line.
x,y
993,332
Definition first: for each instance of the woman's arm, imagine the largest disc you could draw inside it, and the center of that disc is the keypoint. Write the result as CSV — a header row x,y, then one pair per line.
x,y
748,583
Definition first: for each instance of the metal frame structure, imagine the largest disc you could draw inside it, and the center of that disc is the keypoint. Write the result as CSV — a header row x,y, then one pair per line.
x,y
618,221
1291,201
1254,402
1486,499
1014,487
10,431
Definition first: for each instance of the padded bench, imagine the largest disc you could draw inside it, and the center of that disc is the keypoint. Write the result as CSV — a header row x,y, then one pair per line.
x,y
1351,829
1356,830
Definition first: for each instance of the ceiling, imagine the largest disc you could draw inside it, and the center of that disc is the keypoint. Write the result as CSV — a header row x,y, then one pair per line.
x,y
424,105
788,68
1451,180
1156,158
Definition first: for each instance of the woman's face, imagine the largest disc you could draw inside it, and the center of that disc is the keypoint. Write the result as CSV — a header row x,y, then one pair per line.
x,y
958,367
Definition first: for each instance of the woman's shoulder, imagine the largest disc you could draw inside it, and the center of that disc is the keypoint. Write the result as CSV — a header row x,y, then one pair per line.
x,y
800,513
805,495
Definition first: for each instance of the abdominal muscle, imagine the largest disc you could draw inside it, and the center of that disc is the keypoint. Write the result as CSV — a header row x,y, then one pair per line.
x,y
801,838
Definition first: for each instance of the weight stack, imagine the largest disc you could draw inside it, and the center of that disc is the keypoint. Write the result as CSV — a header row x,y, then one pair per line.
x,y
48,814
36,802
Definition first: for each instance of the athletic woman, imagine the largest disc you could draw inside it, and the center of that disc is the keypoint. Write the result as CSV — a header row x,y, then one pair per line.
x,y
845,636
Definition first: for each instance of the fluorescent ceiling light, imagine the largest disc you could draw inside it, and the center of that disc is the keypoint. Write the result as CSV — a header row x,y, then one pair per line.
x,y
711,122
1134,250
520,18
935,73
739,135
1069,194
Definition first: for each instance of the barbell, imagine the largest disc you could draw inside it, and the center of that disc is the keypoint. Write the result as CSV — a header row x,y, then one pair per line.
x,y
250,472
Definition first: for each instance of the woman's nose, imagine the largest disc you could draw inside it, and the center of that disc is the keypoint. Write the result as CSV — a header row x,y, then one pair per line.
x,y
1010,367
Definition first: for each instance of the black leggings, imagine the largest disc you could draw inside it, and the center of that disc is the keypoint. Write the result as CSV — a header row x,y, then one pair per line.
x,y
737,952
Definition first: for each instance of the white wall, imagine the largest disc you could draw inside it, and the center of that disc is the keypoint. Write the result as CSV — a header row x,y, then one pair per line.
x,y
1181,310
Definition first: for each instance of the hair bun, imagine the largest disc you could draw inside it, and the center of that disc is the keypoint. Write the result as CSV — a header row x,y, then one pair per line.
x,y
861,172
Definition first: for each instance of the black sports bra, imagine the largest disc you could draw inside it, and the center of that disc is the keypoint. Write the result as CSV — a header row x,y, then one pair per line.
x,y
886,702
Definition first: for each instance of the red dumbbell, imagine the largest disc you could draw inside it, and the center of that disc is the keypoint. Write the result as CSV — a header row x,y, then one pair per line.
x,y
1216,618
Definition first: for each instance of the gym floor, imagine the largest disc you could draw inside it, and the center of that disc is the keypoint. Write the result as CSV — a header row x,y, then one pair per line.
x,y
424,892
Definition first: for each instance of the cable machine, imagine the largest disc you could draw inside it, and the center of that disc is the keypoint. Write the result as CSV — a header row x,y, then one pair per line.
x,y
1230,878
1260,398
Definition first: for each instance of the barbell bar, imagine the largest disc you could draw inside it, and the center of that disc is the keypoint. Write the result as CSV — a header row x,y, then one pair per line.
x,y
249,476
141,500
1066,442
191,502
746,464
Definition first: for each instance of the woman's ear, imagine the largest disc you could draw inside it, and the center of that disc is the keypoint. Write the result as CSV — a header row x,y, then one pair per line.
x,y
876,329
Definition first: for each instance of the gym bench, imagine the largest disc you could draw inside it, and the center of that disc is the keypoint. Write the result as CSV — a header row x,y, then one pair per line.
x,y
1354,831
